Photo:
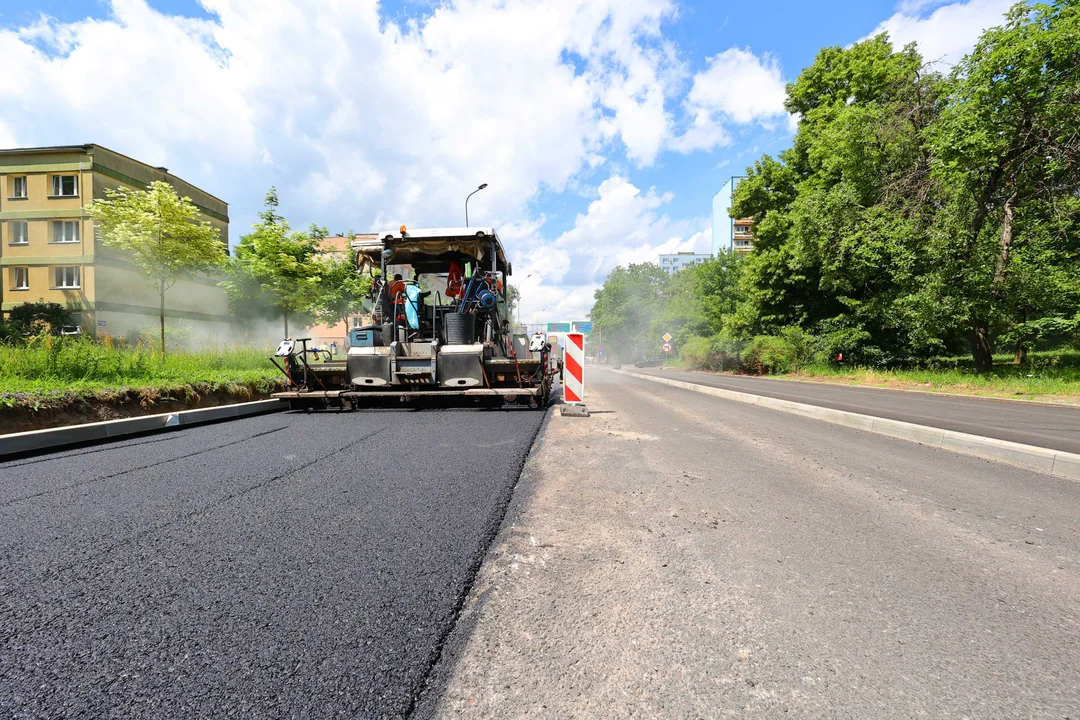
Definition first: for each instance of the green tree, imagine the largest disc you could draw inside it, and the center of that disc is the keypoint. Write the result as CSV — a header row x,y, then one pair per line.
x,y
699,299
276,264
841,217
1007,156
628,307
513,297
160,233
340,291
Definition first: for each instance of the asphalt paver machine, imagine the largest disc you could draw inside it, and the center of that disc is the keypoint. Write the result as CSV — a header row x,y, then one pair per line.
x,y
440,328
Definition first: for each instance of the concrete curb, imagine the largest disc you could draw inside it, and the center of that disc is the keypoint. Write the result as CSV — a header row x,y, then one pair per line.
x,y
1032,457
53,438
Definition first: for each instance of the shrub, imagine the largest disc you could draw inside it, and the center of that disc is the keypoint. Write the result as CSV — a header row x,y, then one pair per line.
x,y
769,354
696,352
37,318
854,343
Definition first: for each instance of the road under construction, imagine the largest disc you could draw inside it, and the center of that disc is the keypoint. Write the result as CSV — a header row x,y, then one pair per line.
x,y
672,555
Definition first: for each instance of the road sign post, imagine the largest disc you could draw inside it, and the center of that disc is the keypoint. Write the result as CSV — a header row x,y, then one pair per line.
x,y
574,376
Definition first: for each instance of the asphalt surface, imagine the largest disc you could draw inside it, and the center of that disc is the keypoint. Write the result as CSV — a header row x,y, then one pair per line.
x,y
678,555
284,566
1050,426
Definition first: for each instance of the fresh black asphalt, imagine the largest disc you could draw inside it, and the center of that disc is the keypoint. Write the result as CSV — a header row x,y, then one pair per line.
x,y
1051,426
289,565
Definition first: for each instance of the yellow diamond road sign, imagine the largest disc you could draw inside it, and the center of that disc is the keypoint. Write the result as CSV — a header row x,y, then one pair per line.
x,y
667,337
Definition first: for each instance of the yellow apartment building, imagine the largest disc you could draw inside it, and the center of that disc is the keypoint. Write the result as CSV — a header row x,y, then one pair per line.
x,y
336,336
49,251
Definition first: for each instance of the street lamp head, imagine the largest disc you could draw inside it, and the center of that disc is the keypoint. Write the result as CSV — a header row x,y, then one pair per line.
x,y
482,186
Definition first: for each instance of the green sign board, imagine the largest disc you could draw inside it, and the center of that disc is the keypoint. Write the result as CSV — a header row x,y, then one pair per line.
x,y
558,327
583,327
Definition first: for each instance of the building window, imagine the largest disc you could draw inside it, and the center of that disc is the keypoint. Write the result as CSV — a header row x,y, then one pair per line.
x,y
66,277
18,187
65,185
20,278
65,231
19,234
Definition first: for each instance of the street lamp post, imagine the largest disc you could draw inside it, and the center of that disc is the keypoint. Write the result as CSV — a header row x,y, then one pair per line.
x,y
484,185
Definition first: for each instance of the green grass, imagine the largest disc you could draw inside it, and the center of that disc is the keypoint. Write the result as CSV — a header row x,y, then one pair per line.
x,y
50,364
1051,376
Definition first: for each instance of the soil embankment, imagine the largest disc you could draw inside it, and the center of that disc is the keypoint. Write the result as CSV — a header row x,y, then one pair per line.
x,y
20,412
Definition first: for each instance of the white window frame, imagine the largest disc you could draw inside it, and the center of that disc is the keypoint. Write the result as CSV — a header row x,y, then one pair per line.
x,y
58,186
60,277
15,235
15,182
63,226
15,273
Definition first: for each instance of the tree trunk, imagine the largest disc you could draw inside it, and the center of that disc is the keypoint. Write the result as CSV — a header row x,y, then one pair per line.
x,y
161,313
1021,353
1002,266
981,353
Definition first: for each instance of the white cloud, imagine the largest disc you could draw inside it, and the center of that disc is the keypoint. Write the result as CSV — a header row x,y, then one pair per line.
x,y
363,122
946,34
622,225
362,119
736,87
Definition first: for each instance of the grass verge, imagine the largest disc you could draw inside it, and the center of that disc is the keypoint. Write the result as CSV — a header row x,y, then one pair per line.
x,y
1046,377
1034,387
58,381
50,365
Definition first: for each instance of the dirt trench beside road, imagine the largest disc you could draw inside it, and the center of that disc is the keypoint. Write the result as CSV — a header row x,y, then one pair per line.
x,y
680,556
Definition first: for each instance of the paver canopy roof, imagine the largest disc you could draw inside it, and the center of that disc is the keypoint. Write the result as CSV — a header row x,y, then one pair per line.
x,y
416,246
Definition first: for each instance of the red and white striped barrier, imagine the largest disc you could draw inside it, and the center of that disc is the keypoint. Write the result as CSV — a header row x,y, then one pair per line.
x,y
574,377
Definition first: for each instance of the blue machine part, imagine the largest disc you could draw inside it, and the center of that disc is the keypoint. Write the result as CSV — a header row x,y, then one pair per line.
x,y
486,298
412,303
362,338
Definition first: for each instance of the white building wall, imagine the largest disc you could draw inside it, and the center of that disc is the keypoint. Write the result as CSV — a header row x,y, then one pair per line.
x,y
723,227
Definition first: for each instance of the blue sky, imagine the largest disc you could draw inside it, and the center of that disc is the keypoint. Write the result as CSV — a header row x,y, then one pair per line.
x,y
603,126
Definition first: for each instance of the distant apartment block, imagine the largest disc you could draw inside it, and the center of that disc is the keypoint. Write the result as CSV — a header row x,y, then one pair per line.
x,y
675,262
743,238
730,235
49,251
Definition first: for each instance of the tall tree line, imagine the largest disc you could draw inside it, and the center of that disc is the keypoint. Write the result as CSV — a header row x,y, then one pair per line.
x,y
919,213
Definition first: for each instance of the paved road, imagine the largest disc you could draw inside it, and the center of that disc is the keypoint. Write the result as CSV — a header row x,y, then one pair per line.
x,y
1050,426
703,558
301,566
